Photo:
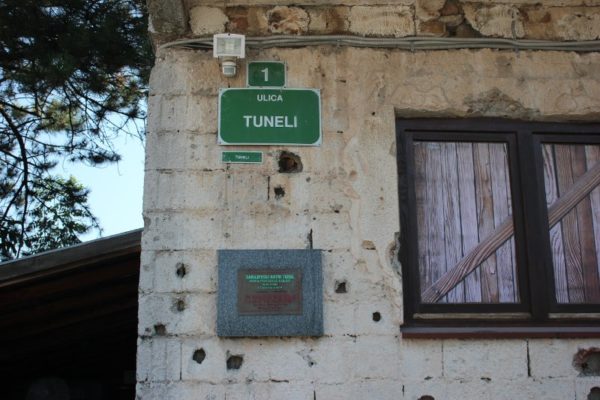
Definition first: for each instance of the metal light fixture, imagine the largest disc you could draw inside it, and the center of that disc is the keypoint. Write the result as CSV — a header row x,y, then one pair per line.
x,y
228,47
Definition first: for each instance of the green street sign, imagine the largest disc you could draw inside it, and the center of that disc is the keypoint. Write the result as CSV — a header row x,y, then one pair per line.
x,y
242,157
270,117
266,74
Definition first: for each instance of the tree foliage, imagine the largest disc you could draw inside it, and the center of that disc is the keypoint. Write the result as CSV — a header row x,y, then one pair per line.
x,y
73,75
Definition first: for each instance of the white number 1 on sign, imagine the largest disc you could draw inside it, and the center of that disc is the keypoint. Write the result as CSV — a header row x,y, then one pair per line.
x,y
266,72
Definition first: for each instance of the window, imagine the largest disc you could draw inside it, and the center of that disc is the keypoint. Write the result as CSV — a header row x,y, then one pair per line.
x,y
500,227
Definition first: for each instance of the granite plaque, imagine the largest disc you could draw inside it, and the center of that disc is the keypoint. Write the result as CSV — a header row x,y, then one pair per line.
x,y
270,293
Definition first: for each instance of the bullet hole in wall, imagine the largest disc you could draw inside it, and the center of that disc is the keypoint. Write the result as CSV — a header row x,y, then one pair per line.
x,y
306,356
376,316
279,192
426,397
180,270
234,362
160,330
180,305
587,361
289,163
199,356
340,287
594,394
368,245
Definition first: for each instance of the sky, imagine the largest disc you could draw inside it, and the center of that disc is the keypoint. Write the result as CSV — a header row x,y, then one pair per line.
x,y
116,189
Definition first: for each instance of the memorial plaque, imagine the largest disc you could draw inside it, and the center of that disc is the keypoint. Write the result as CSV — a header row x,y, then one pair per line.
x,y
269,291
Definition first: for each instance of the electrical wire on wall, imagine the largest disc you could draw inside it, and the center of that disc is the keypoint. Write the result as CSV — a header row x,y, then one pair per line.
x,y
405,43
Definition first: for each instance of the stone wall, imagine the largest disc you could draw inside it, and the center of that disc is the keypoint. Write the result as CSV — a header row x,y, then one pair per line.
x,y
344,201
525,19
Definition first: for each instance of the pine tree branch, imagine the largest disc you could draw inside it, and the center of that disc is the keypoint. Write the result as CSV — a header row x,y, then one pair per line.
x,y
20,109
96,102
24,182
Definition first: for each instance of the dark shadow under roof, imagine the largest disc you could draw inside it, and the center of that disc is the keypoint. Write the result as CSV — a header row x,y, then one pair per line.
x,y
72,314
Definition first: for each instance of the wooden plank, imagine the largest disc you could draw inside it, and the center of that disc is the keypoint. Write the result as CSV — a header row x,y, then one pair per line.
x,y
420,154
502,233
569,227
435,213
576,193
468,214
452,217
502,200
513,245
516,283
591,284
593,160
556,240
485,219
74,257
32,292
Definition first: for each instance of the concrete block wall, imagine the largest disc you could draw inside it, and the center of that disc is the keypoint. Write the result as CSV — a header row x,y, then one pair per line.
x,y
344,202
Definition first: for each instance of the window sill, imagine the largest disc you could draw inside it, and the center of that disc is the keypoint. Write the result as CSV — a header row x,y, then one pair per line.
x,y
499,332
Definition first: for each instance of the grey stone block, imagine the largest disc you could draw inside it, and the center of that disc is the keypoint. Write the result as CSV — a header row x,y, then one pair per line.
x,y
235,318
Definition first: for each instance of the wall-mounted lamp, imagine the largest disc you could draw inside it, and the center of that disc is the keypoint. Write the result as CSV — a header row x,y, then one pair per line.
x,y
228,47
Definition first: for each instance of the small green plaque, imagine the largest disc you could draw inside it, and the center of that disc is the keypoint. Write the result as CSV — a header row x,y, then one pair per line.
x,y
270,117
242,157
266,74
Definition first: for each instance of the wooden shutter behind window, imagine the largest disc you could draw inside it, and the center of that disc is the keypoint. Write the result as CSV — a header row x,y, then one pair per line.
x,y
575,239
463,195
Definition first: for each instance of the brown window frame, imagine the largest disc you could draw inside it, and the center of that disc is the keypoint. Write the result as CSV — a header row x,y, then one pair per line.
x,y
537,314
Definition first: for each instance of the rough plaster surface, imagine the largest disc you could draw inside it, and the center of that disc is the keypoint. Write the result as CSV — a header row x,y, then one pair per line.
x,y
495,21
287,20
382,21
344,202
207,20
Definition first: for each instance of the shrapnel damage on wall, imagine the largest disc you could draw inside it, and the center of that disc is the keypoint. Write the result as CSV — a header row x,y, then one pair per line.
x,y
341,197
